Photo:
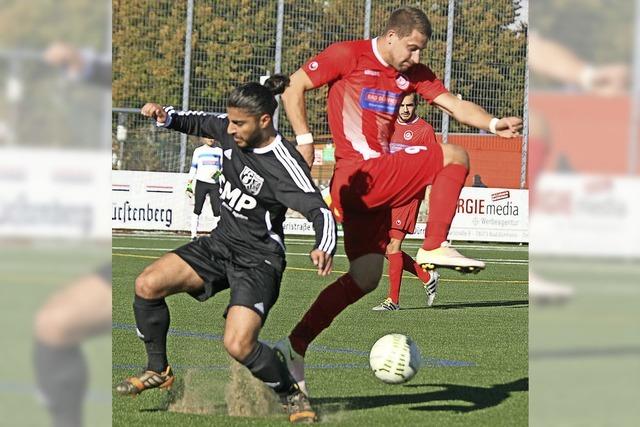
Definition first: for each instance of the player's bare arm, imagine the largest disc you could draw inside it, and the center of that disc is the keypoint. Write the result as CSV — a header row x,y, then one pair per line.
x,y
155,111
322,260
471,114
294,106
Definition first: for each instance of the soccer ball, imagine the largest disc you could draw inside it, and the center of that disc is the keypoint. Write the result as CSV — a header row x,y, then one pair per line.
x,y
394,359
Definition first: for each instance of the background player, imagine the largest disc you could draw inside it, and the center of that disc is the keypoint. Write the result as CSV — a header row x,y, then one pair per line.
x,y
409,131
263,175
367,80
206,166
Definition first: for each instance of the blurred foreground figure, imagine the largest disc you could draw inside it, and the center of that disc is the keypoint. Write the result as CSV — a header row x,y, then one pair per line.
x,y
552,60
83,308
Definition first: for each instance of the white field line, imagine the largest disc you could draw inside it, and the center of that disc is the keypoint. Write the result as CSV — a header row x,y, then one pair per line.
x,y
487,260
416,244
299,241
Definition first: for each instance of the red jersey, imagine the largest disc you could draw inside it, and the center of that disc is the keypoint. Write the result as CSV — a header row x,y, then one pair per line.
x,y
365,94
416,132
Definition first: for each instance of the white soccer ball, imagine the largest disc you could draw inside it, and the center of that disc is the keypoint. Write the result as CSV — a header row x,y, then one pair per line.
x,y
394,359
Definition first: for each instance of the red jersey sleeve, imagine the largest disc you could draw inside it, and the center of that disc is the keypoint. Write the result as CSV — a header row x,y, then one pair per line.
x,y
331,64
424,82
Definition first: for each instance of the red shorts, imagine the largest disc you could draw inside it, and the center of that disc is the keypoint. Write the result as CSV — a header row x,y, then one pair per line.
x,y
364,192
403,219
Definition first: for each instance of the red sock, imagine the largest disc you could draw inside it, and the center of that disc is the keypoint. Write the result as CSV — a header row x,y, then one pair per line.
x,y
443,202
329,304
395,276
408,264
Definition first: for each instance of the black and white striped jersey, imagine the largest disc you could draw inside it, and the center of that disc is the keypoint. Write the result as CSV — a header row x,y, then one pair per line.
x,y
257,186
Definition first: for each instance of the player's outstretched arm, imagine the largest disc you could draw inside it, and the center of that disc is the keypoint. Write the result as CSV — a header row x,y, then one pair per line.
x,y
196,123
295,107
471,114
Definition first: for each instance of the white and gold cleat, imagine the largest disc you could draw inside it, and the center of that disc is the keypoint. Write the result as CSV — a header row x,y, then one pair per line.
x,y
447,257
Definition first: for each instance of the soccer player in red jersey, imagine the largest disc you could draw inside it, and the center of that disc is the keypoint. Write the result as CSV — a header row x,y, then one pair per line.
x,y
410,131
367,80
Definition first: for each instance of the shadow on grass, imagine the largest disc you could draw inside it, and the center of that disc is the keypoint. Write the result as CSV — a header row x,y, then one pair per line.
x,y
456,305
476,397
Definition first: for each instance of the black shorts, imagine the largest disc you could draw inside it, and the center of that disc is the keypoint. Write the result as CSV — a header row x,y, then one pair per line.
x,y
254,286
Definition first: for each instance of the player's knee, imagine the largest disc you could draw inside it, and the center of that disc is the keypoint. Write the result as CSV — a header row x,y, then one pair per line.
x,y
146,287
393,247
238,346
366,281
53,325
454,154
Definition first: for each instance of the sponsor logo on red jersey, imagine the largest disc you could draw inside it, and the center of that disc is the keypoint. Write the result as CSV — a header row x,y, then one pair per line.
x,y
378,100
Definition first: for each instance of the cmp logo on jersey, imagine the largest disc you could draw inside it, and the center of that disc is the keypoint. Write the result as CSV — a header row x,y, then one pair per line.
x,y
235,198
251,180
313,65
408,135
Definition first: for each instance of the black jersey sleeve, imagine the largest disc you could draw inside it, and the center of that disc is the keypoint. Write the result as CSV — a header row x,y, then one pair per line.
x,y
197,123
295,190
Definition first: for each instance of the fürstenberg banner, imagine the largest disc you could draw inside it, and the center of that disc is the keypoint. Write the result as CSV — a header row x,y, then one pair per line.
x,y
157,201
54,193
154,201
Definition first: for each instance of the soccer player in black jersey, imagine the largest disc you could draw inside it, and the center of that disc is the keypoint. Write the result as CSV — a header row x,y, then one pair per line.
x,y
263,175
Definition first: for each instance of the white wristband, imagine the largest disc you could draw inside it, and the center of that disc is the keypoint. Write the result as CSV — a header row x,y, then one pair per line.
x,y
304,139
586,77
492,125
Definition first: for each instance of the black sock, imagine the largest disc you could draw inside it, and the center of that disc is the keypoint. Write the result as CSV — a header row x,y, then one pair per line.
x,y
152,321
265,365
61,373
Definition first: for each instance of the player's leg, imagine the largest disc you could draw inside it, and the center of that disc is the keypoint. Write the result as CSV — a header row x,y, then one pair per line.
x,y
214,199
79,311
168,275
241,330
443,201
394,260
363,277
365,239
444,194
200,195
241,342
404,222
253,293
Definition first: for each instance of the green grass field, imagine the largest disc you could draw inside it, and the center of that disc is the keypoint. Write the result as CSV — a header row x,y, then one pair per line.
x,y
584,354
473,343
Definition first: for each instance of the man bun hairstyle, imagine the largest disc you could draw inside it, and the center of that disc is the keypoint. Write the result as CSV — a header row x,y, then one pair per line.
x,y
257,99
277,83
406,19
